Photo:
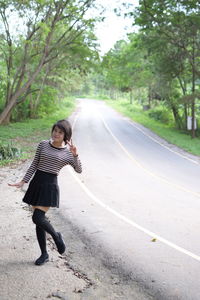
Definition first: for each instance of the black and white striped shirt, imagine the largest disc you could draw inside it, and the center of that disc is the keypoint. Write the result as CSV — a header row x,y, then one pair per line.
x,y
51,160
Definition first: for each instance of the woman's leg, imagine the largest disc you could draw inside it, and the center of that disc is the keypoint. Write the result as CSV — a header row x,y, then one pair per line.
x,y
43,208
41,237
41,233
41,221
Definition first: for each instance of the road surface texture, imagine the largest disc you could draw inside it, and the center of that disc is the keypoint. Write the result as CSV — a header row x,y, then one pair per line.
x,y
131,219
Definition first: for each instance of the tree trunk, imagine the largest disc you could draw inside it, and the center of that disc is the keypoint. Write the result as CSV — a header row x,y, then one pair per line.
x,y
177,118
131,97
13,100
193,119
185,114
184,91
31,108
149,96
6,113
193,90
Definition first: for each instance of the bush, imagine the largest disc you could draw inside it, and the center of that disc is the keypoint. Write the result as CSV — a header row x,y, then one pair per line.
x,y
160,114
8,151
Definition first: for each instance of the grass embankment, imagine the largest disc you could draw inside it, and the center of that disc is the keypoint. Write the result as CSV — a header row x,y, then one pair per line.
x,y
27,134
168,132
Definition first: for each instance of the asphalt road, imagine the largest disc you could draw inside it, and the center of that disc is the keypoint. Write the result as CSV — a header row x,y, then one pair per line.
x,y
137,201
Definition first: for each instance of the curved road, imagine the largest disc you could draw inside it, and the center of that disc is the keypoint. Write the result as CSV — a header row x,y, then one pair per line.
x,y
137,199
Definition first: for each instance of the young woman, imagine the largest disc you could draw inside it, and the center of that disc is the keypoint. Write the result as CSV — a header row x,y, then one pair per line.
x,y
43,191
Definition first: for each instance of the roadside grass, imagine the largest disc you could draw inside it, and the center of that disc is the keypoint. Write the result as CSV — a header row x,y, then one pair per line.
x,y
27,134
166,131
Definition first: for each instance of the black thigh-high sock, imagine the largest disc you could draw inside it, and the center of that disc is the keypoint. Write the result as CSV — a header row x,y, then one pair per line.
x,y
41,237
40,220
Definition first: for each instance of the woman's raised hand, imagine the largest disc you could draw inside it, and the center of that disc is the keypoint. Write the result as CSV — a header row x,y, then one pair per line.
x,y
72,148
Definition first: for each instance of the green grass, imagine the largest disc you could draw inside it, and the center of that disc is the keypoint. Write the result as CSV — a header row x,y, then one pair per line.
x,y
168,132
27,134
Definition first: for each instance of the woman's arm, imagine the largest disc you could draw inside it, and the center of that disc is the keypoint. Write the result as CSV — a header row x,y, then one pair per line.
x,y
75,161
76,164
34,165
30,170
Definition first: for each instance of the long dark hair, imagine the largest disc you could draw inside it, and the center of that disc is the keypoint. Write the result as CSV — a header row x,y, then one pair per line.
x,y
65,126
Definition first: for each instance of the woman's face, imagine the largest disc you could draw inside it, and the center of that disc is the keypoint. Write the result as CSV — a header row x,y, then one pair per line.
x,y
58,135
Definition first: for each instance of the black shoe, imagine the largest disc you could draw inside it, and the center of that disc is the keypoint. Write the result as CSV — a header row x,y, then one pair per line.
x,y
42,259
60,244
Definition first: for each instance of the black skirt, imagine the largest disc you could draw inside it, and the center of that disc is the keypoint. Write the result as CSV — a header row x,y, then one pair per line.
x,y
43,190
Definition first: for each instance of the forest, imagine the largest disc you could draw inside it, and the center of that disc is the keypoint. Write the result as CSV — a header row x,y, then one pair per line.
x,y
49,53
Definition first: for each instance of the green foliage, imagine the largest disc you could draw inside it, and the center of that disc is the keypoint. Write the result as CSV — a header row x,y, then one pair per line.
x,y
161,114
50,110
171,31
56,41
158,64
48,102
8,151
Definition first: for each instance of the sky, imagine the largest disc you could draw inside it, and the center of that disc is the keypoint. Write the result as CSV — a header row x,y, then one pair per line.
x,y
114,27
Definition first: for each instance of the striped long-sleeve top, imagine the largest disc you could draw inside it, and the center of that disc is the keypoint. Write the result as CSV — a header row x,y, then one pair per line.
x,y
51,160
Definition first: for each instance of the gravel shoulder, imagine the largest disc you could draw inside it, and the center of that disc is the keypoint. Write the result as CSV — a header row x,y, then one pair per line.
x,y
19,277
83,272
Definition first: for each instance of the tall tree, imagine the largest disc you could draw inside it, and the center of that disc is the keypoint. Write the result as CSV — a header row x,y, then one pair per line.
x,y
50,29
177,24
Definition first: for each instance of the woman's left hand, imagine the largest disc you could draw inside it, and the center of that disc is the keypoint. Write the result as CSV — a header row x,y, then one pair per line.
x,y
72,148
18,184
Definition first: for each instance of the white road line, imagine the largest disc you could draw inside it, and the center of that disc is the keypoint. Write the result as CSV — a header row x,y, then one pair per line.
x,y
123,218
131,223
142,167
164,146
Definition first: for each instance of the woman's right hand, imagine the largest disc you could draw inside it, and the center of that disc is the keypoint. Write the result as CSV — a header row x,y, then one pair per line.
x,y
18,184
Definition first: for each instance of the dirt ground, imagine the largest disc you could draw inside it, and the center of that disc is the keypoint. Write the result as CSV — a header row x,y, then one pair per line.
x,y
78,274
19,277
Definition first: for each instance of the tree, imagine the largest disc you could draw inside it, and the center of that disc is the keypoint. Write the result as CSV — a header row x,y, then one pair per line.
x,y
177,24
63,77
48,34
